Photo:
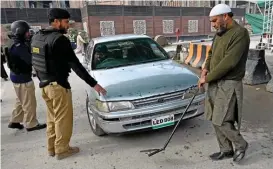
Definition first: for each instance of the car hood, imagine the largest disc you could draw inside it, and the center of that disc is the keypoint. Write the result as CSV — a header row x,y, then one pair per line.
x,y
144,80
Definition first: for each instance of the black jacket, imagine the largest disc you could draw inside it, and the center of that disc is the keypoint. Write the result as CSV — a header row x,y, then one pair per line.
x,y
64,60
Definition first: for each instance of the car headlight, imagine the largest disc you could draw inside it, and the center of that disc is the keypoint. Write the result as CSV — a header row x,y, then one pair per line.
x,y
190,92
113,106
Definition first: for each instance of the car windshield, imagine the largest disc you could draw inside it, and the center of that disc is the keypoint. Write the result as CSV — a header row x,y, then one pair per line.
x,y
127,52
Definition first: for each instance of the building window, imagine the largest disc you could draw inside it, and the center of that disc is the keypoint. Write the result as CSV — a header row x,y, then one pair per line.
x,y
46,4
139,27
20,4
64,4
67,4
107,28
192,26
32,4
212,3
168,26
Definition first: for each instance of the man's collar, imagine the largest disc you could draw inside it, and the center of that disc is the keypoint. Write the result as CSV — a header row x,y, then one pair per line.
x,y
233,23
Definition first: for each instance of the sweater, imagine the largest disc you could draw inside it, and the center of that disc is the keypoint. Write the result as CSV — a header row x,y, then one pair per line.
x,y
228,56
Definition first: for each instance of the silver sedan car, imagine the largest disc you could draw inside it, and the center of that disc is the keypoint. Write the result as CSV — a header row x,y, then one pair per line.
x,y
145,88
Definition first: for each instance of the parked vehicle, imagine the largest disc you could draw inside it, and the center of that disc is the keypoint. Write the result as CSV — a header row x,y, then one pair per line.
x,y
145,88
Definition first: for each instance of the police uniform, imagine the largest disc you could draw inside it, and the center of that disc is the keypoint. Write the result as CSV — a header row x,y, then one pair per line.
x,y
71,37
19,62
53,58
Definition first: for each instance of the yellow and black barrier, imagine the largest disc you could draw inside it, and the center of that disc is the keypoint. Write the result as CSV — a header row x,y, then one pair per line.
x,y
198,54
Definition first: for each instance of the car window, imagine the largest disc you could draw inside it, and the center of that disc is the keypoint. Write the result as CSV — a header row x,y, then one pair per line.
x,y
126,52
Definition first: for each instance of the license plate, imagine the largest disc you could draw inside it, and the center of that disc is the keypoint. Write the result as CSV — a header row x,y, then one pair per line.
x,y
163,121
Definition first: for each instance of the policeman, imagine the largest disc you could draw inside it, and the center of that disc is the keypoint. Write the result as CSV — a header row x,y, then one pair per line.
x,y
19,62
53,58
72,38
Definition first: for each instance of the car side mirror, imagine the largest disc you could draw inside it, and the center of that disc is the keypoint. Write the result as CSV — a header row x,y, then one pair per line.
x,y
172,54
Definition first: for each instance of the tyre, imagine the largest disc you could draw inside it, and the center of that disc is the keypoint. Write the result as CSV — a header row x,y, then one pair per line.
x,y
92,121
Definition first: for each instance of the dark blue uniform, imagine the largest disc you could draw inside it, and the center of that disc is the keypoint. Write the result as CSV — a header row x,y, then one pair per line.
x,y
21,57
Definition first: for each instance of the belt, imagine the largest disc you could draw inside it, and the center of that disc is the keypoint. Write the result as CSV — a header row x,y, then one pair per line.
x,y
53,83
48,82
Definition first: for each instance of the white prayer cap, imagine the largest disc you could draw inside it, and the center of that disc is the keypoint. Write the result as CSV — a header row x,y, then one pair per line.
x,y
219,10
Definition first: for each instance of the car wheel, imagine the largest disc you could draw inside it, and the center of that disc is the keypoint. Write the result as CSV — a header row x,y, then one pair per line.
x,y
92,121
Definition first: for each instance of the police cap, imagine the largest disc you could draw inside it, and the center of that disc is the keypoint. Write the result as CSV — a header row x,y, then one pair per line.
x,y
58,13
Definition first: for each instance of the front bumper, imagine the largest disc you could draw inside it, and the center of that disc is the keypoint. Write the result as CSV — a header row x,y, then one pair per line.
x,y
139,119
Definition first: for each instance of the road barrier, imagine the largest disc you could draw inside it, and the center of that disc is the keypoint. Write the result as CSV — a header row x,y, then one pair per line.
x,y
198,54
257,71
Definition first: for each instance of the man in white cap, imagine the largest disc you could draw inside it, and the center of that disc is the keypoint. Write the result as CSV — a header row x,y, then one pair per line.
x,y
223,72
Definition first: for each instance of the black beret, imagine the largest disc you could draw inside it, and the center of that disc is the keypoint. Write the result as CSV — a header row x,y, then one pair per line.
x,y
58,13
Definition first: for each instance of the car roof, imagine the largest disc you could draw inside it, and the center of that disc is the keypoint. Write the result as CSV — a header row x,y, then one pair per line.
x,y
117,37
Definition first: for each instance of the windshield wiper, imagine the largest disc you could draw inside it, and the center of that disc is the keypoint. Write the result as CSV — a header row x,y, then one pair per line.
x,y
119,66
147,61
134,63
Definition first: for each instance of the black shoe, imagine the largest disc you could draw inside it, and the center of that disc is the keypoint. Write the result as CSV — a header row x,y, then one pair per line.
x,y
240,154
221,155
38,127
16,126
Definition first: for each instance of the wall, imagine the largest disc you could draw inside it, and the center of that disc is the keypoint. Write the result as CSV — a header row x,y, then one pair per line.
x,y
191,21
33,15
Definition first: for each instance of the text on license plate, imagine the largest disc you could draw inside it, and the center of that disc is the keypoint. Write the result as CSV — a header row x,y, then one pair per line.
x,y
163,121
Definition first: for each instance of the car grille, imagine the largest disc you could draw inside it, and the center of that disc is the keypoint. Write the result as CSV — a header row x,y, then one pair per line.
x,y
158,99
164,112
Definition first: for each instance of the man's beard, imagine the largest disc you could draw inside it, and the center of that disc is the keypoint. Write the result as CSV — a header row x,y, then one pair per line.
x,y
221,30
62,30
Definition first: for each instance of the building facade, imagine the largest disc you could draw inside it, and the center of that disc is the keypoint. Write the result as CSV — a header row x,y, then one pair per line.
x,y
81,3
42,4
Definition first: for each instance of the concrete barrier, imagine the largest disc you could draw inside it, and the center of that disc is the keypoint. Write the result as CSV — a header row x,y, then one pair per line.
x,y
161,40
257,71
198,54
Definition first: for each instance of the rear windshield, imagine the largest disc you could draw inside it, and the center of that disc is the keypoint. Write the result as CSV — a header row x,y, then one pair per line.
x,y
127,52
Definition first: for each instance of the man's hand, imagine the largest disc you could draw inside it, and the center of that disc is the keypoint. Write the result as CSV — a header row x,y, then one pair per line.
x,y
201,82
204,73
100,89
